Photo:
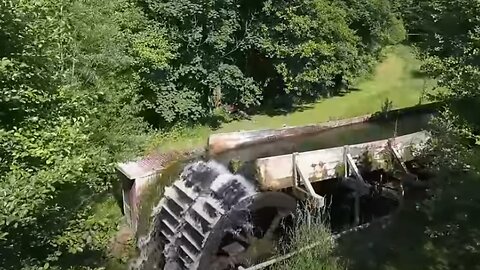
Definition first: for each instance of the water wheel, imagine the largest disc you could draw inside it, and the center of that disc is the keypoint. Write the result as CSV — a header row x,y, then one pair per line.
x,y
213,219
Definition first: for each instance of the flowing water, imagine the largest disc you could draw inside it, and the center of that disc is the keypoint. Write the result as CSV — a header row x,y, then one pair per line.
x,y
266,143
188,213
368,131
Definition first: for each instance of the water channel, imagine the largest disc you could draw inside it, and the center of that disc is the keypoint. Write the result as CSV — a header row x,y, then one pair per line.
x,y
366,132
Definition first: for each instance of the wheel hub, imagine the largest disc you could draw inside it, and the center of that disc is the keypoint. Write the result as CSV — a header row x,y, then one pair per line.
x,y
245,245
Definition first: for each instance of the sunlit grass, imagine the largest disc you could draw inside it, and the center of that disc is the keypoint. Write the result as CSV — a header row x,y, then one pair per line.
x,y
397,79
183,138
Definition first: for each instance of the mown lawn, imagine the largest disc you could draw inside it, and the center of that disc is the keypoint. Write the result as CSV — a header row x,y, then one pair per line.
x,y
396,79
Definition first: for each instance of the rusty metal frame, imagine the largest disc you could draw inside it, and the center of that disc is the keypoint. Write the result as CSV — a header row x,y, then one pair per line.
x,y
350,164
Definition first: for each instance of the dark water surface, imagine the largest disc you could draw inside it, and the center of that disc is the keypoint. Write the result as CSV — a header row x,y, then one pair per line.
x,y
365,132
267,143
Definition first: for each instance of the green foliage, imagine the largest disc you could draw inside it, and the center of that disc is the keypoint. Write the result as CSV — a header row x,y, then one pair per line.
x,y
205,75
449,39
376,22
67,114
79,78
447,33
235,52
309,229
153,49
310,42
387,106
314,44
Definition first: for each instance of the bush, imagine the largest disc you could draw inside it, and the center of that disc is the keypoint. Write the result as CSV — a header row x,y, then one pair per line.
x,y
310,230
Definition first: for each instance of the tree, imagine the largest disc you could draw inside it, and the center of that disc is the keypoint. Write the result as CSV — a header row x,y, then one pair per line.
x,y
447,34
309,42
234,52
70,83
210,38
449,40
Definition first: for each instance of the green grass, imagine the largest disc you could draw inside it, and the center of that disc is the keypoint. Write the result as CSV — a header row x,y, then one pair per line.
x,y
309,228
321,257
396,79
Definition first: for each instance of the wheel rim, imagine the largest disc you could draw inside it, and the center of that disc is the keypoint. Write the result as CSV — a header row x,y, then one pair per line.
x,y
247,233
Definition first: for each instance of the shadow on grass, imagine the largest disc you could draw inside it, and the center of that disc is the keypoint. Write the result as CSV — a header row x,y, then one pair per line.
x,y
417,74
285,110
288,104
347,91
276,105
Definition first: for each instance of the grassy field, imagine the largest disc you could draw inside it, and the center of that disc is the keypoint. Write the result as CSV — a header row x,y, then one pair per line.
x,y
397,79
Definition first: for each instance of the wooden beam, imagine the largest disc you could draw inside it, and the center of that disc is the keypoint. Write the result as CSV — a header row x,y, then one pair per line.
x,y
305,182
396,155
351,164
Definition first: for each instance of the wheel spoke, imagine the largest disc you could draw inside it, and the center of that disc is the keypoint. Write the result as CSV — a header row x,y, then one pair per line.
x,y
239,236
274,224
245,242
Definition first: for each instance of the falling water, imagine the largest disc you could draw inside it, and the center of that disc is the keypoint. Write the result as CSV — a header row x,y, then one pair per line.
x,y
209,185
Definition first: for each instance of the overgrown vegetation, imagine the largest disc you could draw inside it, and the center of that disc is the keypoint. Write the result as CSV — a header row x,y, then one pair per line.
x,y
236,55
449,40
442,232
310,229
67,114
85,83
447,34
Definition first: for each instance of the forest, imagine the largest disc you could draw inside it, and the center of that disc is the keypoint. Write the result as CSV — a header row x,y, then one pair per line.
x,y
86,84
